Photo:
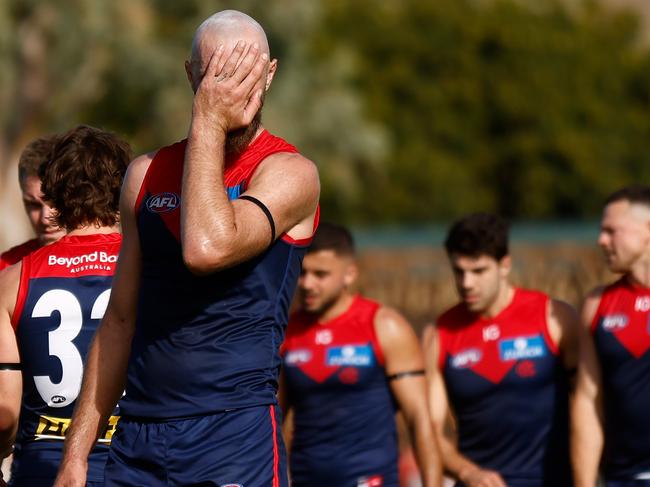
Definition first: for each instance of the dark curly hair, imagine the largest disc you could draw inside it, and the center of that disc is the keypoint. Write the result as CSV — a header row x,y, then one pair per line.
x,y
37,152
478,234
83,178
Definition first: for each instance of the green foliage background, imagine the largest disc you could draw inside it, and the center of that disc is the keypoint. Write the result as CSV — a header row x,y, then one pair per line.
x,y
414,110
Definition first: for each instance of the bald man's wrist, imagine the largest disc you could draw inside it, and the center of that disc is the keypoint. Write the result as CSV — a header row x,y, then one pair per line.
x,y
210,129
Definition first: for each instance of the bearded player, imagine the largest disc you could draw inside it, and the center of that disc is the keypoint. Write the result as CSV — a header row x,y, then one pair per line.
x,y
349,364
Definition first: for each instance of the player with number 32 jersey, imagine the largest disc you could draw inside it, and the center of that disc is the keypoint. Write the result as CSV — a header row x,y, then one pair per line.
x,y
52,302
64,290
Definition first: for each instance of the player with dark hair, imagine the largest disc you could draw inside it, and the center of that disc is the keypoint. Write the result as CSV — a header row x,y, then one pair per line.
x,y
500,362
610,412
38,211
215,228
348,362
51,303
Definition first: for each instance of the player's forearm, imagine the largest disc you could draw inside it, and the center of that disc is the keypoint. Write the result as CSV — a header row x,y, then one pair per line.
x,y
453,462
427,452
207,218
102,386
586,441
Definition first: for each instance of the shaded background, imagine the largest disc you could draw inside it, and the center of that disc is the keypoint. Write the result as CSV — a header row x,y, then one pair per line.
x,y
415,111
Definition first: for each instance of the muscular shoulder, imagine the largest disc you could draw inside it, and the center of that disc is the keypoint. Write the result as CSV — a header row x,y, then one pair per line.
x,y
291,169
134,177
563,322
389,323
590,305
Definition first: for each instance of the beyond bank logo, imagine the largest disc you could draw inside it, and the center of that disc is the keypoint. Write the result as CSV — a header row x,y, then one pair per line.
x,y
163,202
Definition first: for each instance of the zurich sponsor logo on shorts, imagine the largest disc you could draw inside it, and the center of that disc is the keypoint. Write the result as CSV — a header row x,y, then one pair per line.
x,y
297,357
466,358
350,355
522,348
163,202
614,322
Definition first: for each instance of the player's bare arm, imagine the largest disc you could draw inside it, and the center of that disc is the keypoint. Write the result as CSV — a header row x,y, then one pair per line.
x,y
454,463
106,363
10,376
215,232
587,436
404,366
564,328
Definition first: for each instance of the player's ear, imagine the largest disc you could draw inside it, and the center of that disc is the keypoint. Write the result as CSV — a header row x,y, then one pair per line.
x,y
351,274
505,266
273,65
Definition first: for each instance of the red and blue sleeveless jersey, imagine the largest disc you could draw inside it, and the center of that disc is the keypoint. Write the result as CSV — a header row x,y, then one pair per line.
x,y
344,426
15,254
621,330
508,390
63,293
211,343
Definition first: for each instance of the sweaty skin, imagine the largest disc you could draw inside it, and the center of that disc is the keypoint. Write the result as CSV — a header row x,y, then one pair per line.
x,y
324,291
228,78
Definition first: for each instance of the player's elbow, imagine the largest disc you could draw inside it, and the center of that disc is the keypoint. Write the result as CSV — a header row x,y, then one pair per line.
x,y
8,423
202,260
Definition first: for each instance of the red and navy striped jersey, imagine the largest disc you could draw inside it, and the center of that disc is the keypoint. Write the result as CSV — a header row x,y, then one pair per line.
x,y
209,343
508,390
344,427
621,330
63,293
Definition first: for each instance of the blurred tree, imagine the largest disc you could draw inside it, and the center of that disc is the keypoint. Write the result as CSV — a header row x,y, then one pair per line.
x,y
517,107
412,110
59,61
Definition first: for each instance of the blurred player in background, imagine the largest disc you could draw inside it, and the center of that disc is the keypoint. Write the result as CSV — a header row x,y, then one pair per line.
x,y
500,363
610,415
348,363
38,211
215,228
51,303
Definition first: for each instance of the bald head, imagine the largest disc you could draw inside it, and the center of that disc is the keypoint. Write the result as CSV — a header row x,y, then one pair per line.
x,y
226,27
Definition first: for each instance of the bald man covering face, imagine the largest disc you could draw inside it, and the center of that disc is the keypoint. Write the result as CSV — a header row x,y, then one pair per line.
x,y
215,228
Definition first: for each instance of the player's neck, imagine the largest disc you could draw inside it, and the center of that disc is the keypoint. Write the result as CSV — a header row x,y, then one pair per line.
x,y
639,274
340,306
93,230
502,301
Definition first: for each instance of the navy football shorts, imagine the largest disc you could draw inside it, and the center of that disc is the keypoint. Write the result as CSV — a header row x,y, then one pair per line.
x,y
36,464
238,448
628,483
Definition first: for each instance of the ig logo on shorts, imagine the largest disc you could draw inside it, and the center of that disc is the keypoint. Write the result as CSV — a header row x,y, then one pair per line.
x,y
163,202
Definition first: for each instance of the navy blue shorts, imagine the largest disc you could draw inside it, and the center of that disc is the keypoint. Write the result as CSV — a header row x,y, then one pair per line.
x,y
36,464
44,482
239,448
628,483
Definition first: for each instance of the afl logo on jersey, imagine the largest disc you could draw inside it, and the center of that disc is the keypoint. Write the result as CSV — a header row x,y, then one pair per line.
x,y
615,322
57,399
163,202
466,358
